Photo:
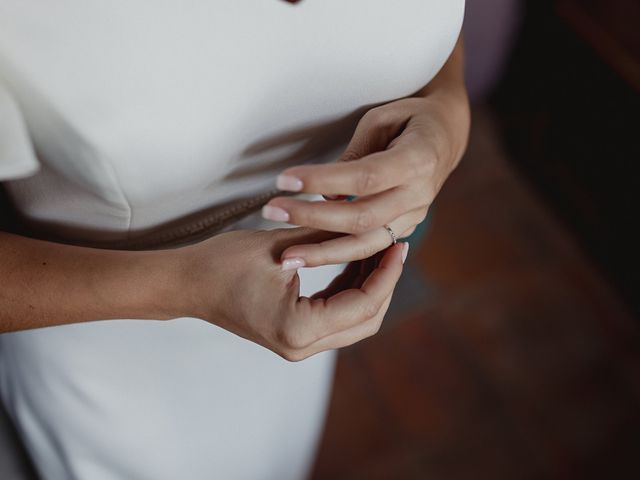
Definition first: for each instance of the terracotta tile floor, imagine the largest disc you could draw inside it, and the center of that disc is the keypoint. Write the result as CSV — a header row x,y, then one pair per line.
x,y
506,355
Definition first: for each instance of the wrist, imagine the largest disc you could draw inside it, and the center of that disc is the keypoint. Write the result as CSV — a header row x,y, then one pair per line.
x,y
190,283
154,285
451,107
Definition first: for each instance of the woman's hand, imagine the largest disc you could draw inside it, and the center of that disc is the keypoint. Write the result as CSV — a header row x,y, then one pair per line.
x,y
398,159
234,280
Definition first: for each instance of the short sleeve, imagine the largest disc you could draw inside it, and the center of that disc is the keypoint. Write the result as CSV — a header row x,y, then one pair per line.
x,y
17,155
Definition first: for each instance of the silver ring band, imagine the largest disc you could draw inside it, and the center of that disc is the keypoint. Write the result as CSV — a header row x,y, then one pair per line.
x,y
393,235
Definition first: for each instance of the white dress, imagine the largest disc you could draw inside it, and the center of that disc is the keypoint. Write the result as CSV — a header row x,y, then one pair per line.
x,y
120,115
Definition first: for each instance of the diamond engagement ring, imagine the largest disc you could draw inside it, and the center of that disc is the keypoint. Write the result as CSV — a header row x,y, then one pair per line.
x,y
392,233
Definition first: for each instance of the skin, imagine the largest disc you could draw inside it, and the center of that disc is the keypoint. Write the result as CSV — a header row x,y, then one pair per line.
x,y
398,159
396,163
232,280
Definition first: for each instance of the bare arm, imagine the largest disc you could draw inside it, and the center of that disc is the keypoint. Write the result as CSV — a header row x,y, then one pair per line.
x,y
45,284
232,280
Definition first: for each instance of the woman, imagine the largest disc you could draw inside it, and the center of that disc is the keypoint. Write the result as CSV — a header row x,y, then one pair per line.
x,y
125,125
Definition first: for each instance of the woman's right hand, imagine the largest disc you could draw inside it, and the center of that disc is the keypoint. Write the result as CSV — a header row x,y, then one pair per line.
x,y
235,281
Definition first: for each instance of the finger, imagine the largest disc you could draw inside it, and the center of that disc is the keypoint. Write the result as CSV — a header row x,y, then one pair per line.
x,y
345,280
373,134
347,248
367,266
350,307
352,335
357,217
374,173
375,130
281,238
353,276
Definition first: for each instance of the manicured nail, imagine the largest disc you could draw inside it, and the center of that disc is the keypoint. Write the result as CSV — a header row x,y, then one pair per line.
x,y
289,183
275,213
405,251
292,264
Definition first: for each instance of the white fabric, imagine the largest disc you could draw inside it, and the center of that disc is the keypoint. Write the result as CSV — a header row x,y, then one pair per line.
x,y
134,399
142,111
17,158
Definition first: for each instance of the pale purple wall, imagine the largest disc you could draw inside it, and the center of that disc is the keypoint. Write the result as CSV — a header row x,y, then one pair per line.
x,y
490,28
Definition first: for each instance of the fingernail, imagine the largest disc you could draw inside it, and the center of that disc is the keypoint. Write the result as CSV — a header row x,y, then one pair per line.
x,y
275,213
289,183
405,251
292,264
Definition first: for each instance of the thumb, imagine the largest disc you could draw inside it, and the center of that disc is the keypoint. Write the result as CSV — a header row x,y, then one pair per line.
x,y
374,132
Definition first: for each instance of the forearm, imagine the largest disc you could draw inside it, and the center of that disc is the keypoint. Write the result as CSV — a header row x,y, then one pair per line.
x,y
45,284
448,99
450,78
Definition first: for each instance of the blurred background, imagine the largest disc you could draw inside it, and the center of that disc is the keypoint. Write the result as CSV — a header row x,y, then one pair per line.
x,y
512,350
513,347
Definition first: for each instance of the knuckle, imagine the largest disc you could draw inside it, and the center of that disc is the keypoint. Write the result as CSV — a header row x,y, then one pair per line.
x,y
421,215
409,231
370,310
364,220
375,327
368,181
292,356
349,155
291,339
418,165
376,116
372,329
423,193
430,192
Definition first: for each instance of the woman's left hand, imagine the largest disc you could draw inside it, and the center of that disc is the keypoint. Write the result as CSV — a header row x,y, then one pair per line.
x,y
395,164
